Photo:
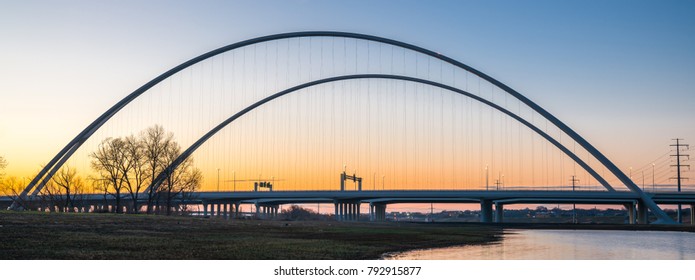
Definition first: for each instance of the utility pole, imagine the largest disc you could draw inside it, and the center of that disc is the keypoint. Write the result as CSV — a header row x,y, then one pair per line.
x,y
574,206
678,166
431,212
643,185
487,185
653,184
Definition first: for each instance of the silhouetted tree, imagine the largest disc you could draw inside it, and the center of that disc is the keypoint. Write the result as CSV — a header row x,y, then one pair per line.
x,y
12,187
183,180
156,142
111,162
3,165
297,213
63,188
135,172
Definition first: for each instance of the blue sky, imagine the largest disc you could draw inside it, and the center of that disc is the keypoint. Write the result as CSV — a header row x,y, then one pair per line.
x,y
621,73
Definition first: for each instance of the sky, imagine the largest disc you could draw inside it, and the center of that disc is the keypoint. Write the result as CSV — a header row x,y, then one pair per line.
x,y
620,73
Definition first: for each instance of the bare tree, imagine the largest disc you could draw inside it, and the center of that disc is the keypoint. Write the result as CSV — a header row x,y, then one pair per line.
x,y
156,142
12,187
180,182
63,189
131,163
135,171
3,165
111,161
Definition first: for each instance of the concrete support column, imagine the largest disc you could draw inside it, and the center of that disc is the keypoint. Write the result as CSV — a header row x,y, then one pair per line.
x,y
692,214
499,213
258,212
642,213
354,211
335,213
342,211
358,206
485,211
380,212
351,215
630,213
205,209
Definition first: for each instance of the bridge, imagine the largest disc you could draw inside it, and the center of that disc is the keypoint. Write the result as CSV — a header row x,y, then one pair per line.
x,y
301,107
347,204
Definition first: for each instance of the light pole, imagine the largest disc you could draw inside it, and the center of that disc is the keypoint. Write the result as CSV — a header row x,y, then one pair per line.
x,y
218,180
653,185
487,185
383,178
643,186
574,206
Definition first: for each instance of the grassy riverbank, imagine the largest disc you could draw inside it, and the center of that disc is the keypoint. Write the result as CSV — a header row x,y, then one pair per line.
x,y
32,235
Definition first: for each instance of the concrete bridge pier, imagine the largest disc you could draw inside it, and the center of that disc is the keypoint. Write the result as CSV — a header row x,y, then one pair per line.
x,y
630,213
358,207
236,209
499,213
485,211
692,214
205,209
379,212
336,215
346,211
642,213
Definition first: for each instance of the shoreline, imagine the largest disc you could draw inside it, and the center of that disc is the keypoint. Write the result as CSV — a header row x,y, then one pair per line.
x,y
568,226
60,236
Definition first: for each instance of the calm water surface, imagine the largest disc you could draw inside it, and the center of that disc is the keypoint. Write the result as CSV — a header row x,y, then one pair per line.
x,y
570,245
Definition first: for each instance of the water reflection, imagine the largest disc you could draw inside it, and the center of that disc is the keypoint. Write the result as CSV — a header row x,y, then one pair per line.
x,y
571,245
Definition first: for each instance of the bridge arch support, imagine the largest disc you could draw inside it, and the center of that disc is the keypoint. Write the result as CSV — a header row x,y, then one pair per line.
x,y
38,182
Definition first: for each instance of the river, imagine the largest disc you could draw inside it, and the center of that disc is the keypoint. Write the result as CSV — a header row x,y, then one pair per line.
x,y
570,245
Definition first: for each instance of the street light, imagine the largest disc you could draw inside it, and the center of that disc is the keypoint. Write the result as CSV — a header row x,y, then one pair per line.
x,y
487,185
653,185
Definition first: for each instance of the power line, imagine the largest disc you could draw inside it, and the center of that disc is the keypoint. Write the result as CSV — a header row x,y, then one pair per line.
x,y
678,166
